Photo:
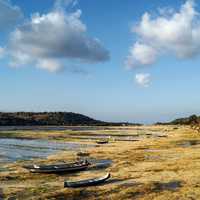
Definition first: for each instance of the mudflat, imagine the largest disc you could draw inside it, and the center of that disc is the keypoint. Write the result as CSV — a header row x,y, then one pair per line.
x,y
145,162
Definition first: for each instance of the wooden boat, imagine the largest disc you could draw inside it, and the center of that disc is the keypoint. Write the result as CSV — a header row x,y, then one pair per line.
x,y
88,182
102,142
58,168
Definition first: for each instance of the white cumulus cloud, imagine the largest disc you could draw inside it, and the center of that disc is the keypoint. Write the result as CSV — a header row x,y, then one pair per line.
x,y
51,65
50,41
2,52
141,54
172,33
143,79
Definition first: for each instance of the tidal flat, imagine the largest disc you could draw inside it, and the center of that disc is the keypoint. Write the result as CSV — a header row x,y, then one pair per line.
x,y
145,162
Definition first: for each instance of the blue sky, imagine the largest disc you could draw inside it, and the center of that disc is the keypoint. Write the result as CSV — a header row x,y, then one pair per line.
x,y
162,79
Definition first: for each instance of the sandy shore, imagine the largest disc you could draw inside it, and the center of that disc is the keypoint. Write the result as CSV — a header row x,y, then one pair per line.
x,y
164,163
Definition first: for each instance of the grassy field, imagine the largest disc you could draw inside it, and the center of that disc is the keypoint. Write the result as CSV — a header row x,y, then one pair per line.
x,y
163,164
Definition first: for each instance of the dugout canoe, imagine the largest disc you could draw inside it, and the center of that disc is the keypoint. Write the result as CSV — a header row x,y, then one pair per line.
x,y
87,182
58,168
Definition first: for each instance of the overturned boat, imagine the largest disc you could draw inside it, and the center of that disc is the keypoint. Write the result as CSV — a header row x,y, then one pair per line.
x,y
58,168
87,182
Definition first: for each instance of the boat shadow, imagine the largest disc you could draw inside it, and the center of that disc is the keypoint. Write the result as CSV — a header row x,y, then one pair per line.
x,y
98,166
122,182
113,181
76,173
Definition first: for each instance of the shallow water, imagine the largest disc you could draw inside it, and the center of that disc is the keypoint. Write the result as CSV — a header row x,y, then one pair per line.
x,y
22,149
189,143
110,137
49,128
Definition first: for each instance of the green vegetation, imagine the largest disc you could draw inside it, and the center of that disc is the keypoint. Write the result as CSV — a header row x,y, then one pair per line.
x,y
51,119
45,118
191,120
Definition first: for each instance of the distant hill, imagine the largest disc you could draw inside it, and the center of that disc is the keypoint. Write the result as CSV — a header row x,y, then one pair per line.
x,y
191,120
50,119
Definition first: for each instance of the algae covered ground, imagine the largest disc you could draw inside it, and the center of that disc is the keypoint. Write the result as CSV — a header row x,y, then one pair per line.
x,y
148,162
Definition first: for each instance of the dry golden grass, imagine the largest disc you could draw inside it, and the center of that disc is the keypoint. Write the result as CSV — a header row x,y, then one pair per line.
x,y
157,168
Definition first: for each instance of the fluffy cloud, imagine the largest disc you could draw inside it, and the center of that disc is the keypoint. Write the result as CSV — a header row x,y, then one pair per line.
x,y
2,52
176,33
142,79
49,64
51,40
9,14
141,54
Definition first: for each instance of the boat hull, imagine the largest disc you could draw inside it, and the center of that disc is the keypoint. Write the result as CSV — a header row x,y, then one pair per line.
x,y
59,168
88,182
